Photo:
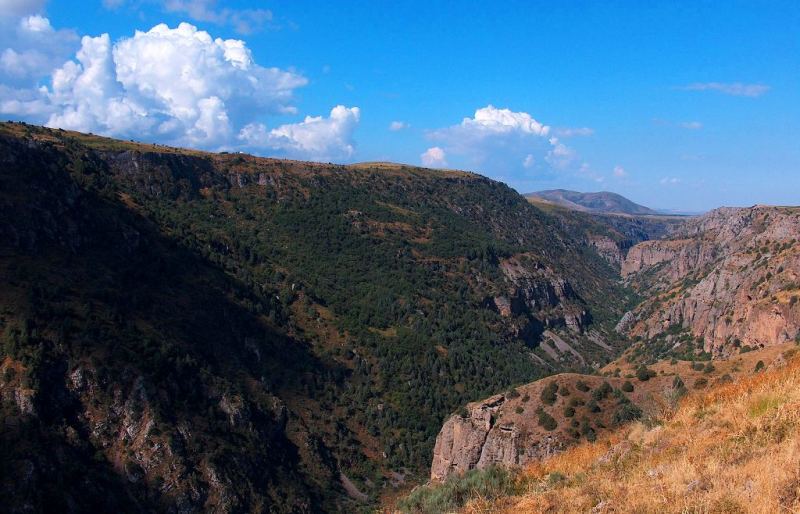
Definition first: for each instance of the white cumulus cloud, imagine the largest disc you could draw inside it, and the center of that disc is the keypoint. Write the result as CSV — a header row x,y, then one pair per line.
x,y
503,143
433,157
491,120
316,137
30,48
620,172
174,85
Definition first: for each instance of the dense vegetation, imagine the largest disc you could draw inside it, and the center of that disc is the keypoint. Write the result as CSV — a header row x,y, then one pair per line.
x,y
300,319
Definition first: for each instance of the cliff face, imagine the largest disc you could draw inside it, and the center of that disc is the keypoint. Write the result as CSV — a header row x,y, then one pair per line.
x,y
729,278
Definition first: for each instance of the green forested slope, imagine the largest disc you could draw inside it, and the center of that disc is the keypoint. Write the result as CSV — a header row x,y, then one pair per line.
x,y
221,331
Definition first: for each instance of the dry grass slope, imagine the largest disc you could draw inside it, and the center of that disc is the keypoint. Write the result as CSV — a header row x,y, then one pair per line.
x,y
735,448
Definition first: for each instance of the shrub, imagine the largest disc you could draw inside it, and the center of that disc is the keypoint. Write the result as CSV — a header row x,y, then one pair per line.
x,y
548,395
519,409
512,394
644,374
602,392
593,406
627,412
759,366
576,402
700,383
582,386
708,368
546,421
569,412
697,366
526,398
627,386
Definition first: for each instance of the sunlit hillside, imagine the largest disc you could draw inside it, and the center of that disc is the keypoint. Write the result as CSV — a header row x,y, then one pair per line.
x,y
735,448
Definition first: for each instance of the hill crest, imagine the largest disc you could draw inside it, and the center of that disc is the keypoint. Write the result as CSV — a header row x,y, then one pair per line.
x,y
604,202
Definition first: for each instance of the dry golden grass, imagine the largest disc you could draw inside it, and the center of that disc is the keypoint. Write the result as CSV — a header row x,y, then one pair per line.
x,y
735,448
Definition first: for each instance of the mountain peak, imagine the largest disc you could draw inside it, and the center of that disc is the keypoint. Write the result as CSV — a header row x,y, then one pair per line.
x,y
604,202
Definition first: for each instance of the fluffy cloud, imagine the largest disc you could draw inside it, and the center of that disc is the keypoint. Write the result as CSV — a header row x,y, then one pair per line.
x,y
31,49
490,121
433,157
691,125
315,137
178,85
733,88
669,181
398,125
620,172
508,145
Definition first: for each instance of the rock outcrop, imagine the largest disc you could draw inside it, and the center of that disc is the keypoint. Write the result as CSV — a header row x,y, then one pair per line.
x,y
488,435
511,429
540,293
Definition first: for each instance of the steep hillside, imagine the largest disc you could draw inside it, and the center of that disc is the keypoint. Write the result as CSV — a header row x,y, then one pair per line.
x,y
727,280
184,330
536,421
601,202
726,442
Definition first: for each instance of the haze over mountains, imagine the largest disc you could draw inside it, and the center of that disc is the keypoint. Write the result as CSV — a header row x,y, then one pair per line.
x,y
190,331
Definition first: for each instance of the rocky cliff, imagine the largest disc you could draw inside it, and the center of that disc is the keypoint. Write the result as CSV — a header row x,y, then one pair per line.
x,y
730,278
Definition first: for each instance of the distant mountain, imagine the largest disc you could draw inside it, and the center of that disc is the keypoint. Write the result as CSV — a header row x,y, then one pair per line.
x,y
602,202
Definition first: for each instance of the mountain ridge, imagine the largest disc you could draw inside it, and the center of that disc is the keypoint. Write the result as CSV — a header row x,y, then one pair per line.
x,y
347,311
604,202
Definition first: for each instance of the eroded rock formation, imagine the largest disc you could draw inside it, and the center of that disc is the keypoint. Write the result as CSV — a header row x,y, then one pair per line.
x,y
730,278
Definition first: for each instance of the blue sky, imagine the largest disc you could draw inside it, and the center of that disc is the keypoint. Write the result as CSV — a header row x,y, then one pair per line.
x,y
683,105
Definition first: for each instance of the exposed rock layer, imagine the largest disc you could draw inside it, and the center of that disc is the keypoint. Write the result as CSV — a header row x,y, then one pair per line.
x,y
730,278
